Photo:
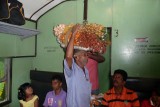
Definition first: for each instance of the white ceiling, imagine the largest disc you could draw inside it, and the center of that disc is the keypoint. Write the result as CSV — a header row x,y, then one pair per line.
x,y
33,9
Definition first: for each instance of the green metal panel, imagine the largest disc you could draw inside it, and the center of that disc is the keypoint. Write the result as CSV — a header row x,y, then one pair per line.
x,y
136,47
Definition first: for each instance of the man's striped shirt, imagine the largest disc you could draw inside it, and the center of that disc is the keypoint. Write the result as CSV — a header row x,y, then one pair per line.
x,y
127,98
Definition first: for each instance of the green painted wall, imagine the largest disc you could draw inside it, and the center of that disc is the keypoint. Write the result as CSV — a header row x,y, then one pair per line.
x,y
100,11
26,47
136,19
49,54
20,73
7,45
13,45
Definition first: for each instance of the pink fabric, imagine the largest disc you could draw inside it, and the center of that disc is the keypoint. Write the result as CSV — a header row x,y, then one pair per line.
x,y
92,67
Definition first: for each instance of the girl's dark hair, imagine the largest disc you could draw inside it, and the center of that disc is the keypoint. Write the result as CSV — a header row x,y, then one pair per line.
x,y
21,91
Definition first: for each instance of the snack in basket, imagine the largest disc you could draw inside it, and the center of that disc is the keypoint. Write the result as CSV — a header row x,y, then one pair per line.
x,y
90,37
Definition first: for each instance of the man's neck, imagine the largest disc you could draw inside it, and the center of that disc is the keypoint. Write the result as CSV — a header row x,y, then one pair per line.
x,y
80,65
118,90
57,91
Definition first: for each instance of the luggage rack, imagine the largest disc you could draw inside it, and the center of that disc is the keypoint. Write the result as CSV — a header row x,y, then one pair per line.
x,y
17,30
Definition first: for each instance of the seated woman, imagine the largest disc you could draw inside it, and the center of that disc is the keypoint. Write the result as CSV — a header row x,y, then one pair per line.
x,y
153,101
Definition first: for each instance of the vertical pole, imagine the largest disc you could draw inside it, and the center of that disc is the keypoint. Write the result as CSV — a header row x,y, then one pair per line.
x,y
85,10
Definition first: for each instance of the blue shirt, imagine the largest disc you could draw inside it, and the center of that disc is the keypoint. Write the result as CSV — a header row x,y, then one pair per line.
x,y
78,86
53,100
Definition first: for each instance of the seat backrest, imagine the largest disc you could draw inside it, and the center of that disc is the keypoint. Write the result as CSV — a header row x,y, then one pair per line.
x,y
143,86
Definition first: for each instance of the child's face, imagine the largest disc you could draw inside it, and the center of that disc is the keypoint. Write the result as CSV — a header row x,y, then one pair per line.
x,y
56,84
29,91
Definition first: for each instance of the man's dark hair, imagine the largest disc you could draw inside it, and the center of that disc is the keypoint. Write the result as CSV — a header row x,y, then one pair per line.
x,y
57,77
121,72
76,51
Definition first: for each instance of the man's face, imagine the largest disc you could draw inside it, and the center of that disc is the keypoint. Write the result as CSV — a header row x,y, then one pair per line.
x,y
56,84
118,80
82,57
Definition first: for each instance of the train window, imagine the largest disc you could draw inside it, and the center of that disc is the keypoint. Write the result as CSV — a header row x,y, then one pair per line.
x,y
5,81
